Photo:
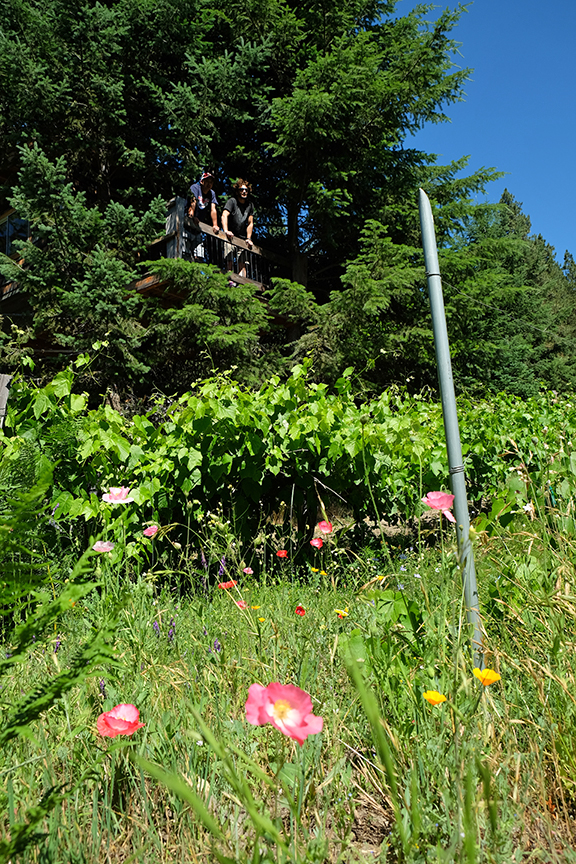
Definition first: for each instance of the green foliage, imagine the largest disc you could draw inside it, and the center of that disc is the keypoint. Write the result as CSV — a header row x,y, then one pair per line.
x,y
292,301
471,778
76,274
215,325
509,306
35,600
454,780
25,834
265,459
28,588
130,94
78,266
348,86
314,106
316,109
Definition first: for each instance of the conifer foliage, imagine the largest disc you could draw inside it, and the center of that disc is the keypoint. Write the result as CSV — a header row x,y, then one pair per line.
x,y
108,110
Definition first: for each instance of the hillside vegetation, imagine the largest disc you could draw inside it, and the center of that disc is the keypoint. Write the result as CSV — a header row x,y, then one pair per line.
x,y
189,602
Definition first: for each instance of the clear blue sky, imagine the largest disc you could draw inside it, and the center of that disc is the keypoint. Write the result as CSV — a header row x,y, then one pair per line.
x,y
519,113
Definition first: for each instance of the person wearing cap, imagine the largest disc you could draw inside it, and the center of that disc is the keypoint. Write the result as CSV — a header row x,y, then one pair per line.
x,y
203,202
238,220
202,209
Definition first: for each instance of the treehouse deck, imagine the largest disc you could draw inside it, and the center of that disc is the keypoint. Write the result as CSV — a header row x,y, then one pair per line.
x,y
181,239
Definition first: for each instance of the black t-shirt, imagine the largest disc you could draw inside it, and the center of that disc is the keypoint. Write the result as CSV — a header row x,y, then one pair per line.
x,y
239,213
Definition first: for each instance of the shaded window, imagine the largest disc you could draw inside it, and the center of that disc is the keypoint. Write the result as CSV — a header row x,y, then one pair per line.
x,y
12,228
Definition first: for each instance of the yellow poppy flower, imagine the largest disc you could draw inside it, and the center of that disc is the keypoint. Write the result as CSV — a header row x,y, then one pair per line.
x,y
342,613
314,569
486,676
255,607
434,697
261,619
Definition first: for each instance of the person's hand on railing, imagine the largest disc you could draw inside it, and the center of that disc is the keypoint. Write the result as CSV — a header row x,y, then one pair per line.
x,y
249,243
216,229
229,234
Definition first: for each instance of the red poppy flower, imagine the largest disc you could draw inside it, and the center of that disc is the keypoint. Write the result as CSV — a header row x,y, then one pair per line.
x,y
440,501
317,542
325,527
103,546
282,553
121,720
118,495
300,610
242,604
287,707
227,585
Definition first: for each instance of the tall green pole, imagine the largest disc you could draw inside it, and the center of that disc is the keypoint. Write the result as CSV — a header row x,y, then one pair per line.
x,y
455,461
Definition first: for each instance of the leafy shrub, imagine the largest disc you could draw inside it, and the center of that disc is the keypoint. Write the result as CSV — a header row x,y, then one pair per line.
x,y
273,457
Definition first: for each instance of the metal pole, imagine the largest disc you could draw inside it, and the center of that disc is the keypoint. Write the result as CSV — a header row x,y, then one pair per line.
x,y
455,461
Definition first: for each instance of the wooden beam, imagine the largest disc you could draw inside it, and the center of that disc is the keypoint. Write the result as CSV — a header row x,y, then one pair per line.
x,y
243,280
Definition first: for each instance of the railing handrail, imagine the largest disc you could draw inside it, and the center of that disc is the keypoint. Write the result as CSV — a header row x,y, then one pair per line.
x,y
189,225
235,241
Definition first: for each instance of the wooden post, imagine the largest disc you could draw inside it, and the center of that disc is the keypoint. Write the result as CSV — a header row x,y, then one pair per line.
x,y
175,227
4,393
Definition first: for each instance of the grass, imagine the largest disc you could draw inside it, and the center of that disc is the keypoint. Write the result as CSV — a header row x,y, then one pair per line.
x,y
486,776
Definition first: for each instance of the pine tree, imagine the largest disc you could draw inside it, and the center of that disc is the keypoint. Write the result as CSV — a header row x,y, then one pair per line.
x,y
314,103
509,307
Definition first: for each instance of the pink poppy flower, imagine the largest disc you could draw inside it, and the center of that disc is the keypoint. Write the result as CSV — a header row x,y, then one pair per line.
x,y
287,707
226,585
117,495
249,571
121,720
151,531
300,610
440,501
317,542
242,604
325,527
103,546
282,553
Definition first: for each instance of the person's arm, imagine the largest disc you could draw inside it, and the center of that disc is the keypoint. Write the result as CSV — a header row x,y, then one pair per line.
x,y
249,229
225,214
214,215
192,207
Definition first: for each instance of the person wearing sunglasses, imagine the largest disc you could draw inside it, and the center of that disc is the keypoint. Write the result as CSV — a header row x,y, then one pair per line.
x,y
238,221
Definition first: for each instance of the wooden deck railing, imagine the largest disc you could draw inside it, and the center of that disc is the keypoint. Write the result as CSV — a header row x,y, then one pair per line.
x,y
184,239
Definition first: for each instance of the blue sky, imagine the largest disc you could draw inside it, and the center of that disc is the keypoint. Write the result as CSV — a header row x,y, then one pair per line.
x,y
519,113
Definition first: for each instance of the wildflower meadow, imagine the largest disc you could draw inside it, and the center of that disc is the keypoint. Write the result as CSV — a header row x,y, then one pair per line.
x,y
233,629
